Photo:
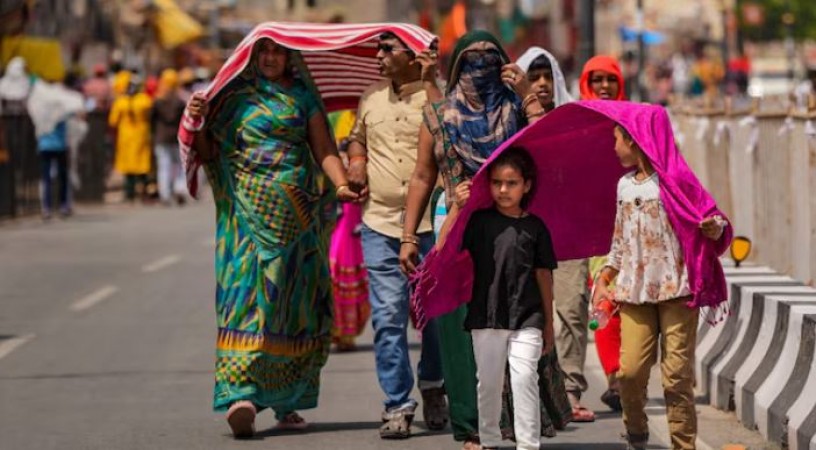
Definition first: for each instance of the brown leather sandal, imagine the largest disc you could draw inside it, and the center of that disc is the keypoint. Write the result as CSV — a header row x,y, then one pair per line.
x,y
397,424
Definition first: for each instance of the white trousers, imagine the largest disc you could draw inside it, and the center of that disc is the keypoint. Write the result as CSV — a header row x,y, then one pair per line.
x,y
169,174
493,349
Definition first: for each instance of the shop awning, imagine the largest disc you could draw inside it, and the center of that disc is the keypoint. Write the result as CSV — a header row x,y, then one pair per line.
x,y
174,27
43,56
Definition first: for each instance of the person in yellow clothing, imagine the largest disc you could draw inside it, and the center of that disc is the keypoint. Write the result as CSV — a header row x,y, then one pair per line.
x,y
130,117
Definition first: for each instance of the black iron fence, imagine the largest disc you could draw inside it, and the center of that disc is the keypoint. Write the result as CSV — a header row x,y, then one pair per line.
x,y
20,165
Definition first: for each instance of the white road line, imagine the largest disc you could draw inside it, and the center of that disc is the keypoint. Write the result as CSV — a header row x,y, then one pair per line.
x,y
161,263
94,297
8,346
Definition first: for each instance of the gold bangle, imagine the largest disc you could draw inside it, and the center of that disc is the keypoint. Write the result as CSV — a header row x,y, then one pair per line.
x,y
340,188
410,239
357,158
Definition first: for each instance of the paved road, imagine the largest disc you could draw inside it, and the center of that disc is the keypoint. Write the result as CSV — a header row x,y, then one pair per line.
x,y
106,342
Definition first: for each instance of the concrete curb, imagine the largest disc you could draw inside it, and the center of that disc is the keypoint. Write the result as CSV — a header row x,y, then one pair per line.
x,y
760,361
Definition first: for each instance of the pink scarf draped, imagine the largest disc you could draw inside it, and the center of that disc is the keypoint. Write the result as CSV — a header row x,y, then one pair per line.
x,y
578,172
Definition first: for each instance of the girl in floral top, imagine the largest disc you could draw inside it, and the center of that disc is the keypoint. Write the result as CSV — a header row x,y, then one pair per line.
x,y
653,290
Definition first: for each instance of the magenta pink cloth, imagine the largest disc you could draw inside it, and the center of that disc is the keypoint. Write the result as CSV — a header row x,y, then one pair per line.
x,y
349,275
578,172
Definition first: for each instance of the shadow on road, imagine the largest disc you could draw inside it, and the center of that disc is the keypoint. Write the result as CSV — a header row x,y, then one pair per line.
x,y
322,427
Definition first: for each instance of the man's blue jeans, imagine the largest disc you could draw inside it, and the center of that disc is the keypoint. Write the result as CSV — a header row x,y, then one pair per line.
x,y
389,296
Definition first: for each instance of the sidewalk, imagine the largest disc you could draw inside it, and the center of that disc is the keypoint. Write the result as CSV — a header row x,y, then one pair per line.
x,y
717,430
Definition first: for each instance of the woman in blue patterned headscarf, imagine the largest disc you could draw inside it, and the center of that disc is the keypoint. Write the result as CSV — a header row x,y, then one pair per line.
x,y
487,101
480,111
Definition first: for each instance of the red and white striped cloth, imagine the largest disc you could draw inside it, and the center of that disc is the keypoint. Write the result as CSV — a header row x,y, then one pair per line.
x,y
341,59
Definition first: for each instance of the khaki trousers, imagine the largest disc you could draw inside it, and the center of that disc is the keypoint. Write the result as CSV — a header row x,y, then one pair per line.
x,y
674,326
572,308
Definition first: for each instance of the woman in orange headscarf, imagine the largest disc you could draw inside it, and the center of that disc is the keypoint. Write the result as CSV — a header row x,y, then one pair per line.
x,y
601,79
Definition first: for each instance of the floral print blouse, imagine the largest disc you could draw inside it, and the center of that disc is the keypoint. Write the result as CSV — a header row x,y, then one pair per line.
x,y
645,249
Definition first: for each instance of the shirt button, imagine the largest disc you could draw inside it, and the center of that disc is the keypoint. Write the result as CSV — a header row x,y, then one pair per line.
x,y
404,183
400,160
398,119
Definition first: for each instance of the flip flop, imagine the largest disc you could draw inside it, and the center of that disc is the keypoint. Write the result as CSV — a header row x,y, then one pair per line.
x,y
581,414
241,419
471,444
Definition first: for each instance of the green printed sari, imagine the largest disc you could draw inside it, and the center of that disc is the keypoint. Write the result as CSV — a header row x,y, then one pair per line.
x,y
275,213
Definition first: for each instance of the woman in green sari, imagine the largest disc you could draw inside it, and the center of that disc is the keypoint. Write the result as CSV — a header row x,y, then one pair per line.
x,y
264,144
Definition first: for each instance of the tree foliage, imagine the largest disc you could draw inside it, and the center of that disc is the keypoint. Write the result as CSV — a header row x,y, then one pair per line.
x,y
803,13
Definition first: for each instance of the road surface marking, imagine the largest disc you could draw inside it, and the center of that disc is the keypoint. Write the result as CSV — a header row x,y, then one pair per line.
x,y
8,346
161,263
94,297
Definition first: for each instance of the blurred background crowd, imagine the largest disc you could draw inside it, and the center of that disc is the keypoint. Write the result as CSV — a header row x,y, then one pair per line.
x,y
124,67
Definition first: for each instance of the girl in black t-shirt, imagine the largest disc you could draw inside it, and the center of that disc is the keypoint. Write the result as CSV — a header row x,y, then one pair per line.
x,y
510,315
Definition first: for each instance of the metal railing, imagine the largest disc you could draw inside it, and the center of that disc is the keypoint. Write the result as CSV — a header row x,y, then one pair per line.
x,y
20,169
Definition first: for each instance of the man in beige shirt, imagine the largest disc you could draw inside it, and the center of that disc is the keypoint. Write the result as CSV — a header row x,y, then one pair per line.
x,y
382,155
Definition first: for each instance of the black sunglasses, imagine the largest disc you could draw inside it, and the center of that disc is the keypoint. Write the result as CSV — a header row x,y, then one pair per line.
x,y
389,48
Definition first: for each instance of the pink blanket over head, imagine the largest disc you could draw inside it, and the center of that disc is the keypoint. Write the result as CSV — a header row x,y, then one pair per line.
x,y
578,172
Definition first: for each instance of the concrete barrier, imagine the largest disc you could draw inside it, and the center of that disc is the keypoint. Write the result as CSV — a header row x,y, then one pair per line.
x,y
749,318
803,203
761,360
760,166
719,337
766,352
801,406
802,415
786,381
731,271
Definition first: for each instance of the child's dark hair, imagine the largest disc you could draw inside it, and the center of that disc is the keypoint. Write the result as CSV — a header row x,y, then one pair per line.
x,y
540,63
519,159
628,138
